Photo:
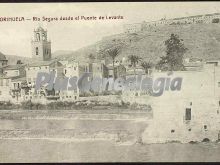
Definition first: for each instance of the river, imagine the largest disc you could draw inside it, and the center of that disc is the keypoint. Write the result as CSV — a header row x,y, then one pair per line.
x,y
92,136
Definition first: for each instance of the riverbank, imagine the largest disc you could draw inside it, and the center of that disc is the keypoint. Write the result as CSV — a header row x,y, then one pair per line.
x,y
74,105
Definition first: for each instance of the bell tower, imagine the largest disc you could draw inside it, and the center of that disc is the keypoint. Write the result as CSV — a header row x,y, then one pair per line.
x,y
41,47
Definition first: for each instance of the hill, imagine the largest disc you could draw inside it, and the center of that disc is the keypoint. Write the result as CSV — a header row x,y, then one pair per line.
x,y
202,41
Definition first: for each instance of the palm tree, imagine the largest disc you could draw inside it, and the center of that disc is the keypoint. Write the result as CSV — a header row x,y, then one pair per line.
x,y
113,53
146,66
134,61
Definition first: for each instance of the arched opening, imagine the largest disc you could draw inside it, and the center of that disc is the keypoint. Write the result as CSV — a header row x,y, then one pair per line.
x,y
206,140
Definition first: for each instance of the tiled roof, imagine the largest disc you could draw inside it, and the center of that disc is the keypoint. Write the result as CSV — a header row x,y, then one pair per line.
x,y
193,64
14,67
42,63
14,79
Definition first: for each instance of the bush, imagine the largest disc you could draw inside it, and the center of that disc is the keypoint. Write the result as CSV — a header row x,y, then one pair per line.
x,y
7,105
29,105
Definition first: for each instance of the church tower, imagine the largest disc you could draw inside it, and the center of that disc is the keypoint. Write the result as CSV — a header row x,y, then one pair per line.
x,y
41,47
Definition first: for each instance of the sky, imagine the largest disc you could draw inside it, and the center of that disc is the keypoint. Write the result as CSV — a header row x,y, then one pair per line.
x,y
15,37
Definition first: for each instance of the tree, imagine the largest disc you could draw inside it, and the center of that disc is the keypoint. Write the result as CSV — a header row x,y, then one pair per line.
x,y
91,57
175,51
134,61
113,52
19,62
146,66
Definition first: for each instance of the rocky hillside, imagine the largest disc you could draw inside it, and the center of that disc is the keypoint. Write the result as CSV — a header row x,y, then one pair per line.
x,y
202,41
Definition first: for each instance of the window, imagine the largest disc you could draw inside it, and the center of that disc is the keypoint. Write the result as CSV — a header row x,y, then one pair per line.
x,y
218,84
36,50
65,71
188,114
0,92
172,131
205,127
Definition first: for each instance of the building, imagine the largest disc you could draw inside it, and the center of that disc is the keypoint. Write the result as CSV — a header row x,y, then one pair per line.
x,y
32,71
132,28
119,70
207,18
5,94
189,114
74,69
19,89
41,47
99,70
3,62
15,70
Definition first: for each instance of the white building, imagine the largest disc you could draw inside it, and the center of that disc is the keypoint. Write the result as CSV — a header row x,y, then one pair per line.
x,y
191,114
132,28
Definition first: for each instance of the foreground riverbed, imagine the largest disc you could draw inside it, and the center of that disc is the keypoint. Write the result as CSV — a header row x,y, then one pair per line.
x,y
42,150
89,136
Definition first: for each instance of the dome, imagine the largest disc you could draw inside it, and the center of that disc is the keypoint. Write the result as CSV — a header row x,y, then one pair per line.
x,y
40,28
2,56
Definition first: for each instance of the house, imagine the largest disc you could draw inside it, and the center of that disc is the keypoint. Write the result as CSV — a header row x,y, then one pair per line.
x,y
15,70
19,89
32,71
3,62
99,70
119,70
74,69
5,88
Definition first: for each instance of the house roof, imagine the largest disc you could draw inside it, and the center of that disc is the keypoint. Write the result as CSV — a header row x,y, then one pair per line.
x,y
43,63
14,67
192,64
15,79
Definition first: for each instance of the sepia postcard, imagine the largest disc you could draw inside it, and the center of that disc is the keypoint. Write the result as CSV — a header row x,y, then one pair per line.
x,y
109,82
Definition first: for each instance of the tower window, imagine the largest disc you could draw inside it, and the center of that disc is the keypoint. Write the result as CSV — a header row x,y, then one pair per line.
x,y
188,114
36,50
